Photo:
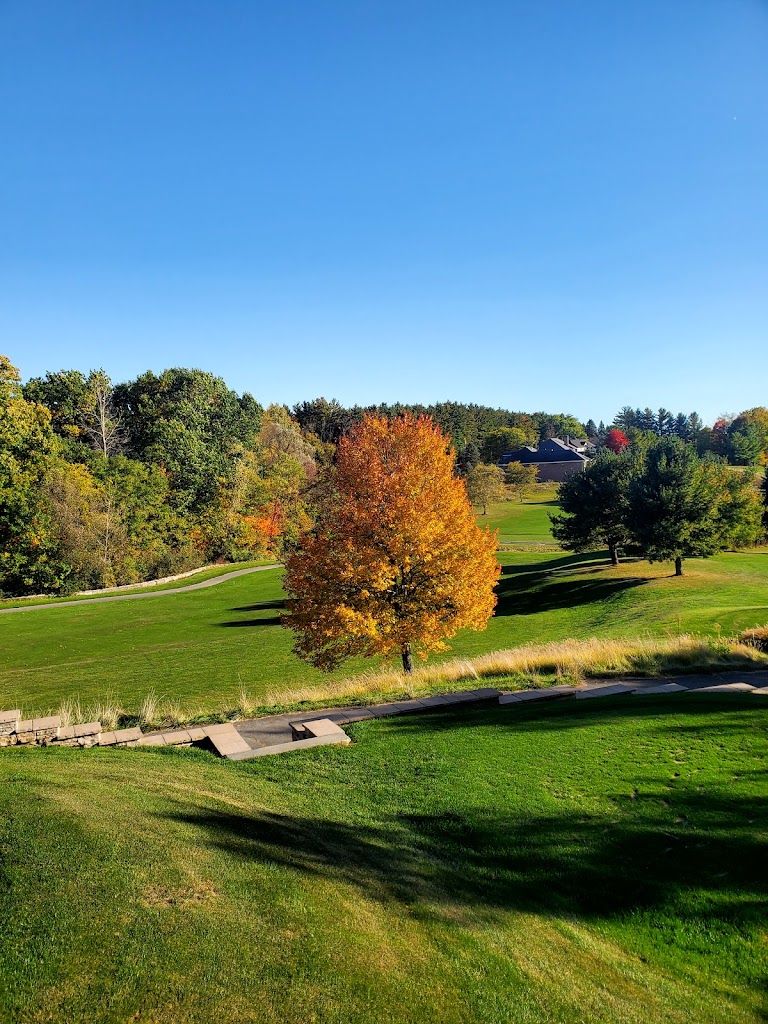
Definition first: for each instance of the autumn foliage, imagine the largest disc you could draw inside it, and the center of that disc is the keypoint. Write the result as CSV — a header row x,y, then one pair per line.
x,y
616,441
397,562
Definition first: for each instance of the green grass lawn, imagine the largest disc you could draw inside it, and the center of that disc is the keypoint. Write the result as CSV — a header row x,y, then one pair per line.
x,y
200,648
199,576
585,862
525,523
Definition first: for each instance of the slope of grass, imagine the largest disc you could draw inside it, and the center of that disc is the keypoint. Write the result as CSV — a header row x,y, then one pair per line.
x,y
585,863
201,648
524,523
198,576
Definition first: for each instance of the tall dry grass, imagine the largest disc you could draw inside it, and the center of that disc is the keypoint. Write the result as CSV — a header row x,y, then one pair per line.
x,y
571,661
757,637
567,660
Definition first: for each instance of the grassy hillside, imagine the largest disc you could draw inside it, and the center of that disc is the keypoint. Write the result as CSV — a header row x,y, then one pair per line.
x,y
525,522
601,862
201,648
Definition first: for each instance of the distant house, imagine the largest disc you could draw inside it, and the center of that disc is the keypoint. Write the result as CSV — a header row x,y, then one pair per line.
x,y
554,459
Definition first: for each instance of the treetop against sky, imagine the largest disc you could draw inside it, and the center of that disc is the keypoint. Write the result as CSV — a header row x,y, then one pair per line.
x,y
525,205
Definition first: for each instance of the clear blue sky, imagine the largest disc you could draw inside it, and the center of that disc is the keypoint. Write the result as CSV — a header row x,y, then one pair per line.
x,y
540,204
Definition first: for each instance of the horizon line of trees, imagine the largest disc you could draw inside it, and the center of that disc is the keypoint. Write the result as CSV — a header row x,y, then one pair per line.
x,y
104,483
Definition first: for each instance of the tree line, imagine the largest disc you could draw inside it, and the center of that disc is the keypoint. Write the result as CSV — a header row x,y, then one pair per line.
x,y
104,484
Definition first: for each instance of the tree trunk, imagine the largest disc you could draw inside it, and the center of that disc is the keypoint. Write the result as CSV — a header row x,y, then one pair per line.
x,y
678,566
613,551
407,658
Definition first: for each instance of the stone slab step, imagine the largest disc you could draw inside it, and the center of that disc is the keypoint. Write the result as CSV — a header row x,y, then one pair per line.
x,y
724,688
614,690
71,732
542,693
288,748
660,688
226,740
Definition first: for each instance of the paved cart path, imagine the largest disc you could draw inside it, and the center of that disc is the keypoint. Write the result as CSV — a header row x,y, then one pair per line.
x,y
274,729
149,593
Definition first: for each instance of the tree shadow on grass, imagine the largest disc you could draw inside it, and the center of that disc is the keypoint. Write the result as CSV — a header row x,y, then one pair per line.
x,y
559,562
522,597
260,606
645,853
235,623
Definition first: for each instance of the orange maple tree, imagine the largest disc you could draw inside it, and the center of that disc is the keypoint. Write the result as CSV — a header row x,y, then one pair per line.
x,y
397,562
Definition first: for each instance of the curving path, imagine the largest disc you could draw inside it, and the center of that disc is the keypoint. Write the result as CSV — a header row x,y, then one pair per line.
x,y
149,593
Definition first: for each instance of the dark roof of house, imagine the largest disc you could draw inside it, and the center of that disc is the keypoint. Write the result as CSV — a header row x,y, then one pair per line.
x,y
551,450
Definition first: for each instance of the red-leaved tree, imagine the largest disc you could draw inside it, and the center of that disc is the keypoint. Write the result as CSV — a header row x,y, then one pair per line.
x,y
617,441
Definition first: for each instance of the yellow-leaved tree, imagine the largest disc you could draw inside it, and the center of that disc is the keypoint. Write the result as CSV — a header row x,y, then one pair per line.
x,y
396,562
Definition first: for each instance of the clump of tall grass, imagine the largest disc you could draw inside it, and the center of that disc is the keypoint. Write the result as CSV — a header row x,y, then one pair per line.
x,y
757,638
148,711
107,711
245,705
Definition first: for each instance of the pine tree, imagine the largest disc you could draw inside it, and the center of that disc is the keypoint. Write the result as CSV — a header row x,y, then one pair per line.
x,y
594,506
683,507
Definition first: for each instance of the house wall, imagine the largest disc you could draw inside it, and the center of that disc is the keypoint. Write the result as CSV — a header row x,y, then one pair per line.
x,y
549,472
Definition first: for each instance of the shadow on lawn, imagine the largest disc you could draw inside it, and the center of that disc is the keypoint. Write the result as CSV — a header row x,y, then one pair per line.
x,y
261,606
251,622
529,595
645,854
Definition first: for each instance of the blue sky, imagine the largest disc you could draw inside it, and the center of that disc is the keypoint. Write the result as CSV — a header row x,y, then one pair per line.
x,y
539,205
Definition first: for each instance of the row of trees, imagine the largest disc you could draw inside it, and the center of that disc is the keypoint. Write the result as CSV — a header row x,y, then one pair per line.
x,y
102,485
481,434
662,501
739,440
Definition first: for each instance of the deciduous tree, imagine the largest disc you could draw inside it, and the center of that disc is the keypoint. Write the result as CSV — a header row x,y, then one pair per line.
x,y
484,485
520,479
397,562
27,445
616,441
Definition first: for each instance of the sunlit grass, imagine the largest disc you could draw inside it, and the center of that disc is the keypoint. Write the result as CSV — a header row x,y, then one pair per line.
x,y
587,863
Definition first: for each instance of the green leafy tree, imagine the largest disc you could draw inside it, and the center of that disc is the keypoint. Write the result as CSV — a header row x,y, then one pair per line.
x,y
520,479
485,484
68,397
680,506
501,441
595,506
189,422
159,539
27,448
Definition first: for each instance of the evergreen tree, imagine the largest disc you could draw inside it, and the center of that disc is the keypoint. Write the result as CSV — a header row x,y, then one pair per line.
x,y
625,419
594,506
665,422
682,427
679,506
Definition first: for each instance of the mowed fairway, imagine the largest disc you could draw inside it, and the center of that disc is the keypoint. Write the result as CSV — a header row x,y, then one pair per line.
x,y
585,862
201,648
525,523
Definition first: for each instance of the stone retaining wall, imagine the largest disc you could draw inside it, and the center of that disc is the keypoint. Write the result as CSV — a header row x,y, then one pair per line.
x,y
49,732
